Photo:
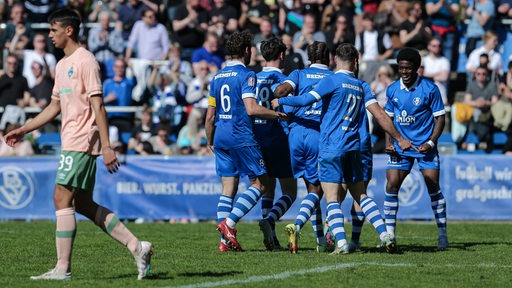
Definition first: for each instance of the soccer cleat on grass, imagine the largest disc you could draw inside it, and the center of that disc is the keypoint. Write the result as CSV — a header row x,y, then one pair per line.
x,y
277,245
324,248
54,274
354,246
229,235
143,259
224,247
341,250
293,238
390,244
268,239
442,242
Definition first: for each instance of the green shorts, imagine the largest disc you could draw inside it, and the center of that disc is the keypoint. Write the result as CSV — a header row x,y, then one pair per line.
x,y
77,170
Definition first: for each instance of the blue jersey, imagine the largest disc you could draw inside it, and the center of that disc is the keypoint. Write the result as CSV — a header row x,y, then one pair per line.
x,y
342,96
303,81
413,110
364,130
233,126
268,131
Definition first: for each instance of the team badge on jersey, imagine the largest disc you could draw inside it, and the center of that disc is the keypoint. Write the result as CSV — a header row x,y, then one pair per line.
x,y
70,72
250,81
416,101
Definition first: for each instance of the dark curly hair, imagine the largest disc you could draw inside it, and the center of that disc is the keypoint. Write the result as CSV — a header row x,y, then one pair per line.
x,y
272,48
238,43
318,52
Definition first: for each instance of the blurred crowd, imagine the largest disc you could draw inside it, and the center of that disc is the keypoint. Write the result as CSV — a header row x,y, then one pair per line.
x,y
160,56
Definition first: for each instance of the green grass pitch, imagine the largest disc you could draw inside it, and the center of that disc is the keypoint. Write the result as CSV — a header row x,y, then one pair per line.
x,y
480,255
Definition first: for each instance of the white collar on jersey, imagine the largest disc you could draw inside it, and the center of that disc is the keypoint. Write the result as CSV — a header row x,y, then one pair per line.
x,y
234,62
413,87
267,69
320,66
350,73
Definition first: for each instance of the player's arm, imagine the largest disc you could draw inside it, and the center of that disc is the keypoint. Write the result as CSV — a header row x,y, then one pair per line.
x,y
283,90
109,156
299,101
48,114
388,126
439,122
255,110
209,122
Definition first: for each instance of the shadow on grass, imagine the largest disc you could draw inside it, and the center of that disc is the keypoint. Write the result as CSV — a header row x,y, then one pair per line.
x,y
210,274
153,276
434,249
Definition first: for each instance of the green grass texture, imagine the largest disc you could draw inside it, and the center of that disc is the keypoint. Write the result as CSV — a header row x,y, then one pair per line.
x,y
480,255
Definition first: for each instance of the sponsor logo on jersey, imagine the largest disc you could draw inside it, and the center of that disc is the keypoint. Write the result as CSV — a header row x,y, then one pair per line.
x,y
16,188
250,81
404,119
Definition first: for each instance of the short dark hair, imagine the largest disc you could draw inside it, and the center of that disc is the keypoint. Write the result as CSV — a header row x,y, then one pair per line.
x,y
318,51
409,54
347,52
272,48
67,17
238,43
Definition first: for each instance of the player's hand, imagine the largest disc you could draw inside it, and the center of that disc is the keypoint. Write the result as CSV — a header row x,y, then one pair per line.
x,y
390,149
275,103
282,116
424,148
406,145
110,159
15,136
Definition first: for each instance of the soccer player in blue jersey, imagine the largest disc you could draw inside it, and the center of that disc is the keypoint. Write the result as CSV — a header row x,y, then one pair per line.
x,y
339,148
417,108
304,124
272,136
231,105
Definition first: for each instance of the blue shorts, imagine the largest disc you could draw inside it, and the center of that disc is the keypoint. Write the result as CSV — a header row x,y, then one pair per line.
x,y
427,162
277,160
367,160
340,167
304,153
239,162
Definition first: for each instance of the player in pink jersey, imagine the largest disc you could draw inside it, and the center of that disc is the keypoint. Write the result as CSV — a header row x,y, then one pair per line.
x,y
77,96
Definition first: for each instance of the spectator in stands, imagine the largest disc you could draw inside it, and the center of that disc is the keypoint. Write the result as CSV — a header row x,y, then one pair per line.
x,y
437,68
374,47
226,13
504,8
414,32
142,132
210,52
21,149
149,38
189,24
13,86
39,54
18,30
166,99
264,33
255,61
106,43
482,13
181,68
117,91
41,92
340,33
390,15
199,88
171,6
490,41
193,132
379,86
308,34
443,15
481,93
252,15
293,58
38,10
161,143
131,12
290,16
332,12
109,6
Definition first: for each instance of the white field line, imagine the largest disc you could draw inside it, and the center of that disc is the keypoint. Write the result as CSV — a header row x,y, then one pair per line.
x,y
320,269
